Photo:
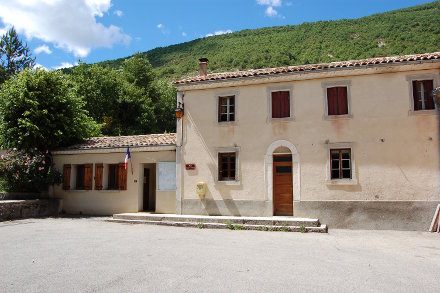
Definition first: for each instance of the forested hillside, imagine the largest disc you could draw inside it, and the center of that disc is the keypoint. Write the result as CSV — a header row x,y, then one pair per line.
x,y
405,31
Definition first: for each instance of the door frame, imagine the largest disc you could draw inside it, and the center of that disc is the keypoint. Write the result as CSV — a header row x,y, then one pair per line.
x,y
268,170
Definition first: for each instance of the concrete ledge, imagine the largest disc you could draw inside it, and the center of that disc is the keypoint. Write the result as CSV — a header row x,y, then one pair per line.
x,y
227,207
20,209
370,215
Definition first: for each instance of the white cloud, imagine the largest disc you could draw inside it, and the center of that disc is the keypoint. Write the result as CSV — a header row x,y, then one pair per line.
x,y
63,65
184,34
118,13
3,30
270,10
42,49
69,25
39,66
159,26
276,3
220,32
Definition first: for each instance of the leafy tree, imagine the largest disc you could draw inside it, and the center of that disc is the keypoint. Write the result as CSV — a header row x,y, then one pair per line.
x,y
41,109
14,55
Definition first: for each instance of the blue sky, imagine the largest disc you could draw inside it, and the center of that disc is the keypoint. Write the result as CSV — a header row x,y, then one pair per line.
x,y
60,32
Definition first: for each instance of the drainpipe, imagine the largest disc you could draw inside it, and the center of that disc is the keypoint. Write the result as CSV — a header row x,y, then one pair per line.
x,y
179,143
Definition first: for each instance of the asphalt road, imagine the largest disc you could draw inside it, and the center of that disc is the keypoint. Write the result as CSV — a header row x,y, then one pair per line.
x,y
91,255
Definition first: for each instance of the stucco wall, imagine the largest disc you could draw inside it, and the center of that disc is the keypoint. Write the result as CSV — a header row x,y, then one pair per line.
x,y
396,152
108,202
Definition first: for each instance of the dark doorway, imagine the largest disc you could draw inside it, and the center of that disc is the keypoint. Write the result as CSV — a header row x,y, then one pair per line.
x,y
282,185
149,203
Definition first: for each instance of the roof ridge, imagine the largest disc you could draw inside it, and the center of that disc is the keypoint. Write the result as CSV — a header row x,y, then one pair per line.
x,y
309,67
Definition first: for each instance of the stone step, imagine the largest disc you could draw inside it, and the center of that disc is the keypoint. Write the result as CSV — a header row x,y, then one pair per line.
x,y
272,221
282,228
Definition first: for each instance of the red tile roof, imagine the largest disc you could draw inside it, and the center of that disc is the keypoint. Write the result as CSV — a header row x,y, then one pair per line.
x,y
310,67
110,142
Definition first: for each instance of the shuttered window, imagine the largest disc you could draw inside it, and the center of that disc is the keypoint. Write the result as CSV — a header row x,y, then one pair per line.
x,y
422,95
226,109
337,103
84,177
227,163
99,170
280,104
66,176
340,163
122,175
113,177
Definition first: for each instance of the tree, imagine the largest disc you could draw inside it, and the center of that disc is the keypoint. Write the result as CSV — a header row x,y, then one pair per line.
x,y
41,109
14,55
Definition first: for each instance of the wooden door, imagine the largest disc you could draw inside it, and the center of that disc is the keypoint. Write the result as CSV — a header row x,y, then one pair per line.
x,y
282,185
146,206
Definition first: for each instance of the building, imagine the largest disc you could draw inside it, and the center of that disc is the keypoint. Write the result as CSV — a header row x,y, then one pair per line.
x,y
355,143
96,181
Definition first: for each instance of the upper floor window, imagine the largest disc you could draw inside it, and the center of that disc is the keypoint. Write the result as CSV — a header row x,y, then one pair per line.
x,y
226,109
280,104
337,102
422,95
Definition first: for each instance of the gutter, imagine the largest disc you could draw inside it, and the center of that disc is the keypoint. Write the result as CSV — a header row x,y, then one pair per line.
x,y
115,150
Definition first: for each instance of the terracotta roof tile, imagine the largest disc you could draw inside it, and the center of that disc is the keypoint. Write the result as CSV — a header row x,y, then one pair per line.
x,y
311,67
110,142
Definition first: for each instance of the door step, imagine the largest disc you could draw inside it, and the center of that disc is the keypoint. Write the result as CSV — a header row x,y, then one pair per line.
x,y
286,224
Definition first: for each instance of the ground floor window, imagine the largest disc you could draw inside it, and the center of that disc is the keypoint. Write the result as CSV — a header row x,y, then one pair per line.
x,y
113,177
227,163
340,163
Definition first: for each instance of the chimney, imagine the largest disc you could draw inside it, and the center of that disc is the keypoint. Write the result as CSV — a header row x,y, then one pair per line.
x,y
203,67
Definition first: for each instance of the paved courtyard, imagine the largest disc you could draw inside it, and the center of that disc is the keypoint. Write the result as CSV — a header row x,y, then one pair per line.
x,y
91,255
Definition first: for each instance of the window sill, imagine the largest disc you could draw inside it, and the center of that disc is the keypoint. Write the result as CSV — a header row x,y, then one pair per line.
x,y
231,182
422,112
335,117
339,182
77,190
287,119
109,190
227,123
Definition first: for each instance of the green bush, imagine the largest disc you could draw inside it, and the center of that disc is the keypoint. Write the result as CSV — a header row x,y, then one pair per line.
x,y
27,172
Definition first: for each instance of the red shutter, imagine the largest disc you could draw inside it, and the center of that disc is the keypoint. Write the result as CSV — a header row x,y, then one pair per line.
x,y
332,101
342,100
276,105
66,176
417,104
88,176
98,176
429,102
285,104
122,182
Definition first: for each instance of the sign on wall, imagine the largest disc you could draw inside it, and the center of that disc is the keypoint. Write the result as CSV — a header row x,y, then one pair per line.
x,y
166,175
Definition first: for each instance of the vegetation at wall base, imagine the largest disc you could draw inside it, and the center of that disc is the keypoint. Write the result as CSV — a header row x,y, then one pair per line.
x,y
405,31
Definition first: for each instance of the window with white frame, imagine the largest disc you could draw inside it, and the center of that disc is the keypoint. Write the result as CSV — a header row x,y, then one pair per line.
x,y
226,108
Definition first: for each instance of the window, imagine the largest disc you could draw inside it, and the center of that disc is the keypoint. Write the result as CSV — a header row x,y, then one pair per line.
x,y
82,177
340,164
337,102
227,163
280,104
113,177
226,109
422,95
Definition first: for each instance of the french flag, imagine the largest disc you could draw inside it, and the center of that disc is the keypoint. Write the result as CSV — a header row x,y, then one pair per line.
x,y
127,157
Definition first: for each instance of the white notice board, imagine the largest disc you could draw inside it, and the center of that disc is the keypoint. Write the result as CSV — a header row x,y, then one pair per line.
x,y
166,175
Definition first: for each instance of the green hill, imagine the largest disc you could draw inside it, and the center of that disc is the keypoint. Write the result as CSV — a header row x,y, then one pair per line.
x,y
405,31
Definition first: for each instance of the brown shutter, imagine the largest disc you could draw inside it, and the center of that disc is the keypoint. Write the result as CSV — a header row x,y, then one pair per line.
x,y
66,175
276,104
417,104
99,168
122,182
342,100
285,104
220,166
219,109
332,101
429,102
88,176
